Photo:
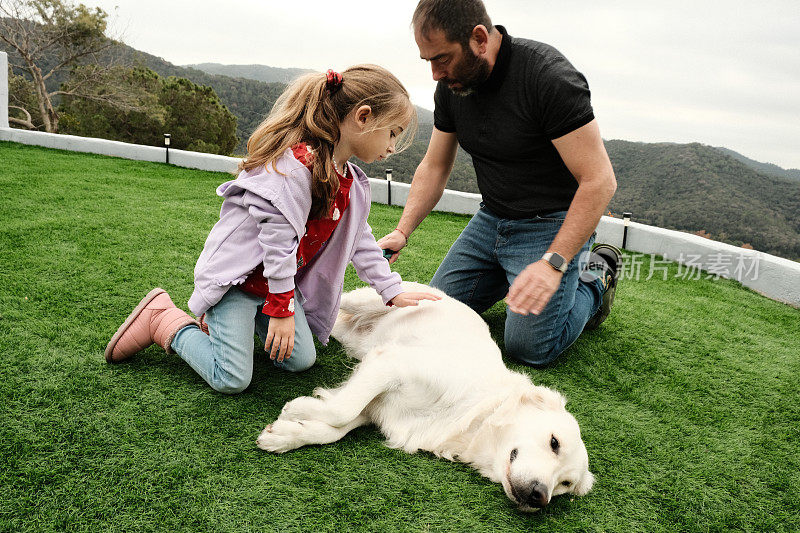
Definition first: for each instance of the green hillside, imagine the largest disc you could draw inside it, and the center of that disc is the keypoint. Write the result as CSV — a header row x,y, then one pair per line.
x,y
247,97
687,187
695,187
263,73
248,100
404,164
763,168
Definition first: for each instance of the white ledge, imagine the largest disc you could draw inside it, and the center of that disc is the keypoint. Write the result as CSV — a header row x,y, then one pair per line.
x,y
772,276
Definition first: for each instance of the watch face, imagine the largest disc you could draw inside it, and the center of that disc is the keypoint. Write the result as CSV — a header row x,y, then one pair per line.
x,y
557,261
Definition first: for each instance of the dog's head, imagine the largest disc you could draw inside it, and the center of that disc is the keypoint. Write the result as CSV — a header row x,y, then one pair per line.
x,y
540,453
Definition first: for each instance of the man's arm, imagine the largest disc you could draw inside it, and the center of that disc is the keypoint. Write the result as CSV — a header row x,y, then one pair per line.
x,y
585,156
427,186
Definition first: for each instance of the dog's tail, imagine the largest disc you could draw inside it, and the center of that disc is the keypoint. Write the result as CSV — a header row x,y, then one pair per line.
x,y
359,311
361,308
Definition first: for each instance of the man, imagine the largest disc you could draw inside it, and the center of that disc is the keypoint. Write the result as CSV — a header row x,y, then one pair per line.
x,y
523,113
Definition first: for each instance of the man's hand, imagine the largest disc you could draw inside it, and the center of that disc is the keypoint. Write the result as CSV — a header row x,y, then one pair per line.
x,y
280,335
404,299
393,241
533,288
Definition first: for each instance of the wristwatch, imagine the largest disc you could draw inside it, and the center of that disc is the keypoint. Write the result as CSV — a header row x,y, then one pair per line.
x,y
556,260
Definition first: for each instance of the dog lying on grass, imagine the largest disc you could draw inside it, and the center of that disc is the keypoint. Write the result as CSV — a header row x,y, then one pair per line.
x,y
431,378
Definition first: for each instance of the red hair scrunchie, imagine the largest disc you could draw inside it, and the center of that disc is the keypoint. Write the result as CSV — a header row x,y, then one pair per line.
x,y
334,81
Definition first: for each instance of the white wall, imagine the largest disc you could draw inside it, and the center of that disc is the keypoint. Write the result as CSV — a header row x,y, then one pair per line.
x,y
181,158
772,276
775,277
464,203
3,90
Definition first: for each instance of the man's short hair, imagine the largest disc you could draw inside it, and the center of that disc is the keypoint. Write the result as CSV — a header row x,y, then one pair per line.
x,y
456,18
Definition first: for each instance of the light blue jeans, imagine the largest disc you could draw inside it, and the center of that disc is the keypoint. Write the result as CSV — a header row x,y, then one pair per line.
x,y
483,263
224,358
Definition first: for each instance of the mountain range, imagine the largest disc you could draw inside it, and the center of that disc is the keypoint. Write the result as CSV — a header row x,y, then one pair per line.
x,y
699,188
764,168
715,192
269,74
688,187
252,72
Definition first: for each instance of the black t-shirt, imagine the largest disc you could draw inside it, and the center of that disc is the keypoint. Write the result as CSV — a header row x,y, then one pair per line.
x,y
534,95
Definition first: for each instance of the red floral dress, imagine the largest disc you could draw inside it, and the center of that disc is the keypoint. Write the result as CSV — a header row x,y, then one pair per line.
x,y
318,231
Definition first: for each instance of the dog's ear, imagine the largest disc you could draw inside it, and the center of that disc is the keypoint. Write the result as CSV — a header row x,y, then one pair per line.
x,y
526,393
584,485
545,398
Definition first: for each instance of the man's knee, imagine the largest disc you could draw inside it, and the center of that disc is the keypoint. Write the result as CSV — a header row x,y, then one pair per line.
x,y
537,354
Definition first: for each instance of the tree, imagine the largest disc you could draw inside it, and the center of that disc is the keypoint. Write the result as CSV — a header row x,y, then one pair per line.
x,y
55,33
191,113
21,98
196,118
122,105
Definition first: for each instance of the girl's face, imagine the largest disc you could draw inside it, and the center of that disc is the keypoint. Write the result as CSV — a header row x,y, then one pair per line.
x,y
376,145
366,143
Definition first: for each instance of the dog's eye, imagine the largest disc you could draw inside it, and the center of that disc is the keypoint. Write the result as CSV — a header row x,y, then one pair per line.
x,y
554,444
513,455
566,483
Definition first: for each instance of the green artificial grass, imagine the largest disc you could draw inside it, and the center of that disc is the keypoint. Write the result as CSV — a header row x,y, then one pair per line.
x,y
687,395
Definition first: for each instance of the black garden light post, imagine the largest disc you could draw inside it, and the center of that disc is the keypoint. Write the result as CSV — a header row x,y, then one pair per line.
x,y
389,186
626,219
166,144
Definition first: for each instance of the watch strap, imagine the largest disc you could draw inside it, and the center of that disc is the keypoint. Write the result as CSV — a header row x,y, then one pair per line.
x,y
556,261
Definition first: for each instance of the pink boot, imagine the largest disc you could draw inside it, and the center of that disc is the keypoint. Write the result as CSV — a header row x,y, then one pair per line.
x,y
155,320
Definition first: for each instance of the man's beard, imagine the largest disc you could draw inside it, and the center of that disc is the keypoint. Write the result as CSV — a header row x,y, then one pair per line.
x,y
469,73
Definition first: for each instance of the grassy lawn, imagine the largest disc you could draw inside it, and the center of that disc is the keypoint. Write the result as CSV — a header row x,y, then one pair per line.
x,y
687,395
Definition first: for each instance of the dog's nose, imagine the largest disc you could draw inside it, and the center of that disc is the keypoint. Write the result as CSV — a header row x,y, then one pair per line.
x,y
535,495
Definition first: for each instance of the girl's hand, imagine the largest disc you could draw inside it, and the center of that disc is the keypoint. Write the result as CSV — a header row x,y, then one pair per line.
x,y
404,299
280,336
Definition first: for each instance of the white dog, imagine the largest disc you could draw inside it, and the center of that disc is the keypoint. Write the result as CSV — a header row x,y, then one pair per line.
x,y
432,379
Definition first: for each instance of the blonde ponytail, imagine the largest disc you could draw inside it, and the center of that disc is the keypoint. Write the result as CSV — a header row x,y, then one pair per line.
x,y
309,112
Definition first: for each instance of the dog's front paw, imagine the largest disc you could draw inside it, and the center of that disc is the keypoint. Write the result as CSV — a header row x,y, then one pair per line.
x,y
302,408
281,436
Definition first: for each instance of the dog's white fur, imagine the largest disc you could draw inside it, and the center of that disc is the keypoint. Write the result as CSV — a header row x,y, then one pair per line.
x,y
432,379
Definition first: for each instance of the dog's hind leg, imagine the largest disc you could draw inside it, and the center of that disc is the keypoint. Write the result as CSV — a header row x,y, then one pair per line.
x,y
338,407
284,435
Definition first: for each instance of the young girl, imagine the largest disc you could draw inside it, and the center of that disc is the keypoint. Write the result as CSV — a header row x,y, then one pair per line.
x,y
290,223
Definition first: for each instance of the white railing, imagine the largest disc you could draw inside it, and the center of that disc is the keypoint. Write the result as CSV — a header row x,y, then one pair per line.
x,y
772,276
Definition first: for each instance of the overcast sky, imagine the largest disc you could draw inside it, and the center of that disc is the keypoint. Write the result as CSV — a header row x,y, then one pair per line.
x,y
719,72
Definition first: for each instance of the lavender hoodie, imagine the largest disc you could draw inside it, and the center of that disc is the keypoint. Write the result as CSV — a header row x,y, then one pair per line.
x,y
262,220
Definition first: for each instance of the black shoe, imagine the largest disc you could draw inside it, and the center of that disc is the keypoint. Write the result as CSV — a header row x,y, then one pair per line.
x,y
605,263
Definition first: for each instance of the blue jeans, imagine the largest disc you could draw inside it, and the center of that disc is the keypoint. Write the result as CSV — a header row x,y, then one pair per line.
x,y
483,263
224,358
